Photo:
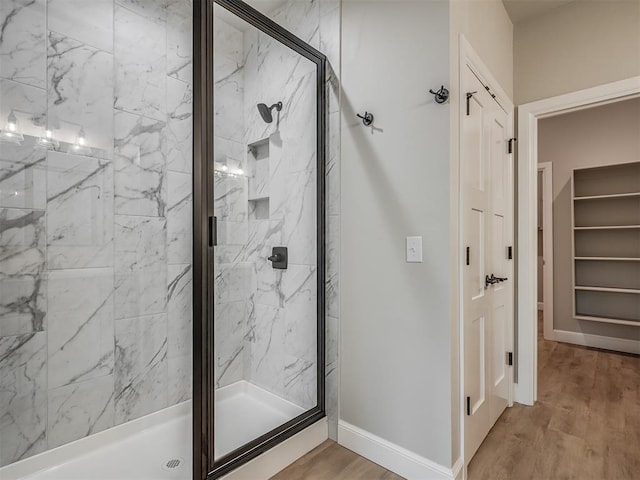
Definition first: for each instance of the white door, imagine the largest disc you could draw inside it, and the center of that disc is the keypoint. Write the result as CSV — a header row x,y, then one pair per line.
x,y
487,275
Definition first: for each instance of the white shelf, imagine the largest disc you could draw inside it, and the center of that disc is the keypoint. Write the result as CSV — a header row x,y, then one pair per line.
x,y
608,320
608,289
610,259
258,198
604,197
610,227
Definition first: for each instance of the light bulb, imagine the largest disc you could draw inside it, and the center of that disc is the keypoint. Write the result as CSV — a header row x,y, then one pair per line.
x,y
81,140
48,134
224,168
240,171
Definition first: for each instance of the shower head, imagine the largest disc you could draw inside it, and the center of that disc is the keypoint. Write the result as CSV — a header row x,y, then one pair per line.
x,y
265,112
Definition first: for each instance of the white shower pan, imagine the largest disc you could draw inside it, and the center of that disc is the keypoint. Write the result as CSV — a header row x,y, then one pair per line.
x,y
158,446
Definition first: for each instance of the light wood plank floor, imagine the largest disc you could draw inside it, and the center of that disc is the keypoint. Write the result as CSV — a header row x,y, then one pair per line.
x,y
330,461
585,425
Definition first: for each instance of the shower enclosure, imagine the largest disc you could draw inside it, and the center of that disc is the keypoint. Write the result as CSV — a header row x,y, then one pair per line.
x,y
260,242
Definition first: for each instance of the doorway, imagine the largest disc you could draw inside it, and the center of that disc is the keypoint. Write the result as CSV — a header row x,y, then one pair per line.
x,y
525,391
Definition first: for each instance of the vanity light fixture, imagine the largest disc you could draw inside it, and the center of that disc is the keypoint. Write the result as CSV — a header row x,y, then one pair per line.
x,y
48,141
11,132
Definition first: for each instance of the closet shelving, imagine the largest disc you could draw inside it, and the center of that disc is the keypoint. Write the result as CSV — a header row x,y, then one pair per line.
x,y
606,243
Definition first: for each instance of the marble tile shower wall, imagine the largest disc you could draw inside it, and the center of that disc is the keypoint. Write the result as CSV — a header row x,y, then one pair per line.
x,y
95,233
267,317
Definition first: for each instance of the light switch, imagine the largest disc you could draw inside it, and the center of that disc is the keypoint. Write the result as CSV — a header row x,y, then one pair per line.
x,y
414,249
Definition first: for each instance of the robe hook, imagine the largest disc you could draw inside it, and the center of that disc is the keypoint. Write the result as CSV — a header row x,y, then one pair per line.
x,y
367,119
441,95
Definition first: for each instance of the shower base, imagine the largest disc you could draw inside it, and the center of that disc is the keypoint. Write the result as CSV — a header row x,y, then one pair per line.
x,y
245,411
158,446
154,447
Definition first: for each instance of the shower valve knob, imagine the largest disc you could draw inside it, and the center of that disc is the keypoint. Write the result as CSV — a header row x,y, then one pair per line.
x,y
279,258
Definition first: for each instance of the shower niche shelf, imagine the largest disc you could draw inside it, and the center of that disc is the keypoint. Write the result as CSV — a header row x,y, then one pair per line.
x,y
606,244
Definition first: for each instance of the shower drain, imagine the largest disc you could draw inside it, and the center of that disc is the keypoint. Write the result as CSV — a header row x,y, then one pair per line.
x,y
173,464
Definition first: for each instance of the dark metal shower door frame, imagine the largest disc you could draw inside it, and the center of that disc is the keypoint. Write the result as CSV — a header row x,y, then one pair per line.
x,y
204,464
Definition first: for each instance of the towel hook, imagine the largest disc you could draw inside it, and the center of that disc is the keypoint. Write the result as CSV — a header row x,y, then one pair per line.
x,y
441,95
367,119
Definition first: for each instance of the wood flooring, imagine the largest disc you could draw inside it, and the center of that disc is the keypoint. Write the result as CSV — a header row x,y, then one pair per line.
x,y
585,425
330,461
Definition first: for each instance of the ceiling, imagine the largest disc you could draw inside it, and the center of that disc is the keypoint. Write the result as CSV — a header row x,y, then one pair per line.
x,y
521,10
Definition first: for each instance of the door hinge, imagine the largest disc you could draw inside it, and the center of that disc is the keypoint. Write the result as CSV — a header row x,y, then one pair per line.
x,y
469,95
468,255
510,358
509,252
469,406
213,231
510,144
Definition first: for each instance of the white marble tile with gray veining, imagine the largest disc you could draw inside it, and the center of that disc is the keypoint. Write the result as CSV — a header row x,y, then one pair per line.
x,y
228,107
80,325
140,366
80,92
332,170
179,310
293,200
300,381
79,410
180,379
300,17
28,104
79,212
233,282
140,266
23,175
22,271
332,282
266,359
230,197
140,70
179,215
88,22
140,165
23,396
179,134
155,10
180,39
231,327
23,48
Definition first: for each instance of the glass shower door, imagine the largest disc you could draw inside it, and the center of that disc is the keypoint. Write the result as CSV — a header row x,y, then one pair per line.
x,y
268,200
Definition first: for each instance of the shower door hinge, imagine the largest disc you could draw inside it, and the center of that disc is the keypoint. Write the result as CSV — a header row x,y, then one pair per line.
x,y
213,231
510,358
469,406
469,95
509,252
510,144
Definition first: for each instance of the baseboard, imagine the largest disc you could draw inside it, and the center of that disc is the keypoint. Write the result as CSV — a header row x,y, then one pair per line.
x,y
597,341
282,455
540,306
393,457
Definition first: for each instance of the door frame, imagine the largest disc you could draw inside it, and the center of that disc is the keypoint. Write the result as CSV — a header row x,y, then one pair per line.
x,y
546,168
205,464
527,168
468,58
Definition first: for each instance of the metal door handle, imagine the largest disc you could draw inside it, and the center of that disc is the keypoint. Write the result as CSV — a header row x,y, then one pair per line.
x,y
492,280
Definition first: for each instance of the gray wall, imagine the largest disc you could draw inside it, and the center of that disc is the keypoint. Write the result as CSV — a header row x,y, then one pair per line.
x,y
396,319
597,136
576,46
95,239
